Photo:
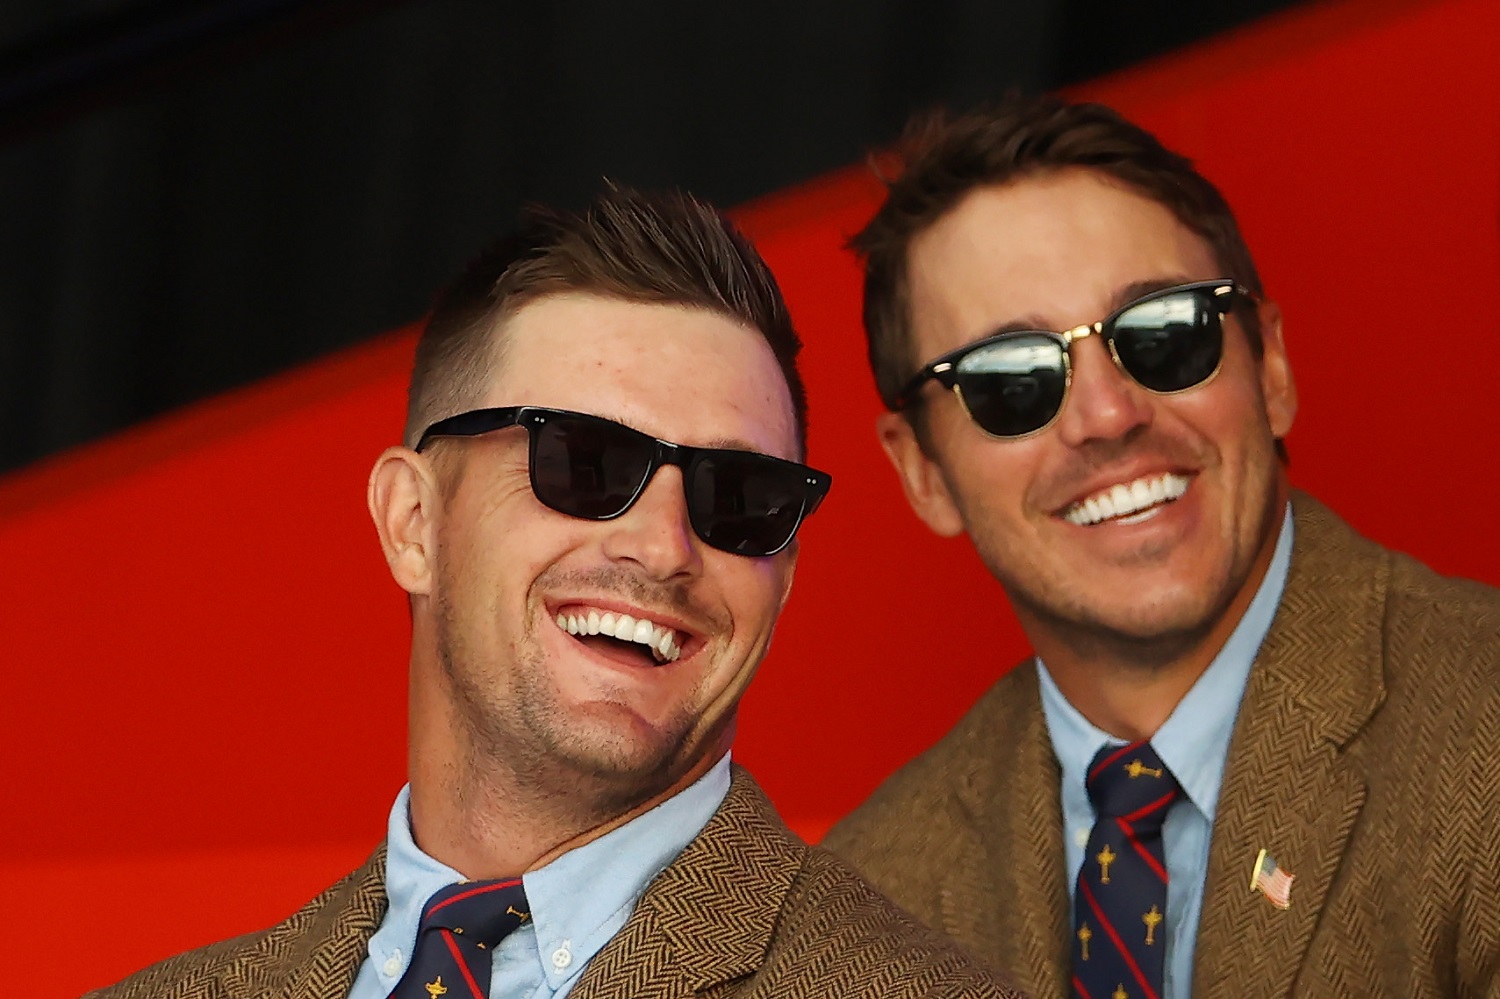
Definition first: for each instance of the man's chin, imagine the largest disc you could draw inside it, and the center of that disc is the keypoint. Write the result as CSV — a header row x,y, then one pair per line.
x,y
1153,629
631,759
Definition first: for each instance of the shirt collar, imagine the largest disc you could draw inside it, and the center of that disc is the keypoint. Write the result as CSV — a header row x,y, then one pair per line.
x,y
1194,740
583,897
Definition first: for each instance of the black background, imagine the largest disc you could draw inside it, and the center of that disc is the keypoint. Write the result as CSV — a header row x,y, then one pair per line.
x,y
196,195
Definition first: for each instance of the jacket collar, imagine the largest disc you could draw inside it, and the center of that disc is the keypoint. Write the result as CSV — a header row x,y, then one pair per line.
x,y
317,952
1013,901
1288,788
709,917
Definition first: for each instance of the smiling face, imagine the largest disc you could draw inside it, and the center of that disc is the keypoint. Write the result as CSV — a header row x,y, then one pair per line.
x,y
1135,516
523,597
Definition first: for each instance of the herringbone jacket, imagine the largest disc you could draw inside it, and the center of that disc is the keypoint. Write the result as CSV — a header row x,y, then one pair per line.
x,y
1365,759
747,910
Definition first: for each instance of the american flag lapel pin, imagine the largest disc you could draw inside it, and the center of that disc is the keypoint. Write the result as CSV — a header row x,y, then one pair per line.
x,y
1274,882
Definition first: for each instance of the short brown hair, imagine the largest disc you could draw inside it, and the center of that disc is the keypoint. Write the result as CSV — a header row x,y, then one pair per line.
x,y
943,157
664,248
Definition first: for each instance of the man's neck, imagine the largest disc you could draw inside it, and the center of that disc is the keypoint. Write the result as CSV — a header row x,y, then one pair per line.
x,y
1129,687
487,823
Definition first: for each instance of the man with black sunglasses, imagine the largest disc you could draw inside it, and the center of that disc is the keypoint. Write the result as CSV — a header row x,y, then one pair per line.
x,y
1255,754
594,516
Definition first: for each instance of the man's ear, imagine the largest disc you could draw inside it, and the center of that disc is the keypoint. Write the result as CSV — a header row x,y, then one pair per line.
x,y
404,501
921,478
1276,383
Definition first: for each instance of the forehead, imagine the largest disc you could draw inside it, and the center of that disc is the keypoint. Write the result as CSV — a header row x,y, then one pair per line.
x,y
683,374
1053,251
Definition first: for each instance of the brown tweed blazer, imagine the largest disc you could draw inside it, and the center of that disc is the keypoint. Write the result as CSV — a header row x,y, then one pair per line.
x,y
1365,759
746,910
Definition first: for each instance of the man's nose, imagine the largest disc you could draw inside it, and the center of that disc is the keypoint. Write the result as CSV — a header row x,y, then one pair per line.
x,y
656,532
1103,402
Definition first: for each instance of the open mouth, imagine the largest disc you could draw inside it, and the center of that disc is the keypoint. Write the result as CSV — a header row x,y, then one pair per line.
x,y
1128,502
616,633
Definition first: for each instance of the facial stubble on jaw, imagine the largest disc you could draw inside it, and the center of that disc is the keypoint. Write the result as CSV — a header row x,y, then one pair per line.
x,y
590,764
1091,636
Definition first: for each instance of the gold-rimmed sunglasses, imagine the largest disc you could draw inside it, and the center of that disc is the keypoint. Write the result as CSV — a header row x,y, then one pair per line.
x,y
1014,384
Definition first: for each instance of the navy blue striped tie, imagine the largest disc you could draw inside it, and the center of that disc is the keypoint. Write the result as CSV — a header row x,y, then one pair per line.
x,y
461,924
1119,908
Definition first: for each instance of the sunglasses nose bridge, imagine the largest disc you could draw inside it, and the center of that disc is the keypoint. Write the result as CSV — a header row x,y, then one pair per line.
x,y
1103,399
1070,337
655,530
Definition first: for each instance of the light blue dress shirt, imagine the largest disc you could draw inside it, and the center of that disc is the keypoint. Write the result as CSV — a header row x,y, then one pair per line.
x,y
578,902
1193,742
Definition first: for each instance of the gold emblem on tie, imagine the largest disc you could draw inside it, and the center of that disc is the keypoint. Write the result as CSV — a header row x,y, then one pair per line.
x,y
1152,919
1119,993
511,910
1105,857
1084,936
1135,768
436,988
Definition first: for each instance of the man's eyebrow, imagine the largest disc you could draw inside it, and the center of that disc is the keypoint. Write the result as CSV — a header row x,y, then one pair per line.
x,y
1122,297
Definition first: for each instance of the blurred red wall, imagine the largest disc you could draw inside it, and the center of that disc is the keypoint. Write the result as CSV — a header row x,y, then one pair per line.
x,y
202,662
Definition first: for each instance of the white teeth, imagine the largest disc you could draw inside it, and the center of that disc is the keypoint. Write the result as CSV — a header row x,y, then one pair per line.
x,y
1125,500
661,640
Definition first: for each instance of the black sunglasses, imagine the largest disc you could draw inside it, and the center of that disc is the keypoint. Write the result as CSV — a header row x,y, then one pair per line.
x,y
586,466
1013,384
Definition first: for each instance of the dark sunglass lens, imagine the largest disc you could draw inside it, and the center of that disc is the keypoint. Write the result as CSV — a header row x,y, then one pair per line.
x,y
1014,386
745,503
1170,343
587,467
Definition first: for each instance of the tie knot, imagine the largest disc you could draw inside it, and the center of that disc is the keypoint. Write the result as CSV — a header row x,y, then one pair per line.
x,y
480,912
1131,782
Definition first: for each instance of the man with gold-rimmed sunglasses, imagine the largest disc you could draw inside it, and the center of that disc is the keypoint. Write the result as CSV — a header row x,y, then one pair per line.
x,y
594,515
1244,726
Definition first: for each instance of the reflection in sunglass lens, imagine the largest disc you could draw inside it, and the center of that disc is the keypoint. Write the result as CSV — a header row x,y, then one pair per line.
x,y
587,468
744,503
1014,386
1171,343
737,501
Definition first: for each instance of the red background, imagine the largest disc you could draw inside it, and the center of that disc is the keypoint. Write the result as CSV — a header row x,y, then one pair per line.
x,y
202,657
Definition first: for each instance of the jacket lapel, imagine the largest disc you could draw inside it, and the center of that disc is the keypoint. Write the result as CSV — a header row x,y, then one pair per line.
x,y
1013,900
708,918
1288,789
317,952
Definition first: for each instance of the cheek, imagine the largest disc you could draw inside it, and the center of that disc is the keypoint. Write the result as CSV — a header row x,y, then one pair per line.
x,y
994,480
756,590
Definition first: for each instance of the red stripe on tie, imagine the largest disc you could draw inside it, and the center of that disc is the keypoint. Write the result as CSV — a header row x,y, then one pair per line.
x,y
1078,987
472,892
1151,861
1112,757
463,966
1135,969
1146,810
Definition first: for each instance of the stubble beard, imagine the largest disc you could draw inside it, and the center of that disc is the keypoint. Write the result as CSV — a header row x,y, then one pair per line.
x,y
1156,639
516,735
